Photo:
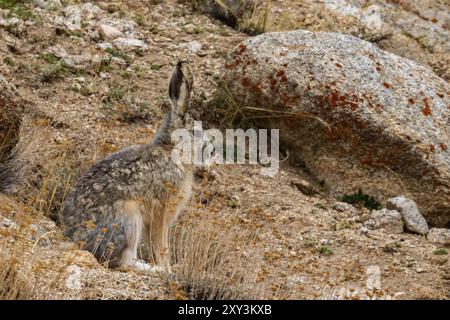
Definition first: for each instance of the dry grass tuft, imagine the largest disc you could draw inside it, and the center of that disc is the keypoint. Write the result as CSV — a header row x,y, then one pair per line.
x,y
37,170
225,109
13,285
209,265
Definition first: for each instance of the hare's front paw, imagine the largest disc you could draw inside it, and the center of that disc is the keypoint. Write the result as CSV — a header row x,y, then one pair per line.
x,y
140,266
145,267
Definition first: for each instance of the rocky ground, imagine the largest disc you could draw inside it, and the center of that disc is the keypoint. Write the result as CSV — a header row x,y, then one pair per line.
x,y
94,75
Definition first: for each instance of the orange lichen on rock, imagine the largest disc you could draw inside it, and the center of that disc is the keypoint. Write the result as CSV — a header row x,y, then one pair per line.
x,y
426,109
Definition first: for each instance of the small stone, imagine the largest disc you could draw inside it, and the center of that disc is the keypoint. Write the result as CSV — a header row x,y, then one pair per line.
x,y
364,230
344,207
109,33
389,220
303,186
11,22
439,236
104,45
73,17
80,79
413,219
193,46
91,11
189,28
7,222
130,44
48,4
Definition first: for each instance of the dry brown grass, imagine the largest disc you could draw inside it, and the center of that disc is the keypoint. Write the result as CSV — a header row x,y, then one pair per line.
x,y
39,171
13,285
215,259
208,264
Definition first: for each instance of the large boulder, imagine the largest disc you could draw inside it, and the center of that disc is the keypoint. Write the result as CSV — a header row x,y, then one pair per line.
x,y
356,116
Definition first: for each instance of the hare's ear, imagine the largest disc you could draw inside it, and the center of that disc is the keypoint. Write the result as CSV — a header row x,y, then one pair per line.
x,y
180,87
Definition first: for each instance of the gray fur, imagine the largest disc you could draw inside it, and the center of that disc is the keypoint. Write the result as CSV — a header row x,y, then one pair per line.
x,y
145,174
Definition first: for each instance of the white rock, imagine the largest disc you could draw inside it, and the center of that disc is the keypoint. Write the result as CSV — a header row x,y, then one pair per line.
x,y
78,61
371,17
91,11
130,44
342,7
127,27
110,33
389,220
104,45
373,274
7,222
118,61
48,4
73,280
364,230
413,219
193,46
11,22
73,17
439,236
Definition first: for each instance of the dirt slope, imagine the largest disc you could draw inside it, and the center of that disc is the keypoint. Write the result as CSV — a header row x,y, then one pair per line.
x,y
299,246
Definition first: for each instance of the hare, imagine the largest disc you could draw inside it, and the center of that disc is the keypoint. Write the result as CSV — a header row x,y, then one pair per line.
x,y
138,192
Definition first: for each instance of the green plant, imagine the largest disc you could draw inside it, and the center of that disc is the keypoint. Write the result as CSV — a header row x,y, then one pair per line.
x,y
156,66
83,90
105,65
56,68
115,94
360,198
321,206
440,252
324,251
119,54
17,8
48,57
8,61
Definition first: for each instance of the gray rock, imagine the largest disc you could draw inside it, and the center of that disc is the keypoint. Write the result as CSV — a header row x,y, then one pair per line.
x,y
345,207
129,44
83,61
7,222
193,46
413,219
10,22
439,236
91,11
73,17
389,220
75,14
357,116
126,27
109,32
104,45
48,4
